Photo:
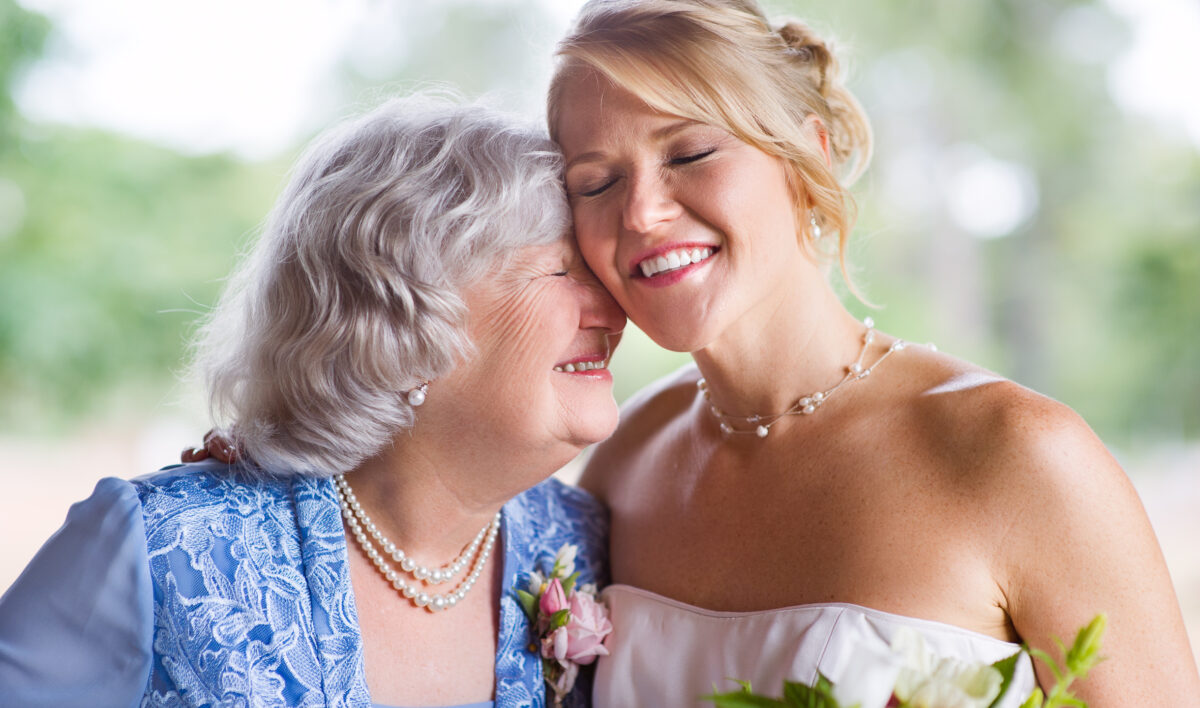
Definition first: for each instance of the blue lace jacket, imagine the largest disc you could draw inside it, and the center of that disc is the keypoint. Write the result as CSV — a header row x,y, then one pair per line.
x,y
199,589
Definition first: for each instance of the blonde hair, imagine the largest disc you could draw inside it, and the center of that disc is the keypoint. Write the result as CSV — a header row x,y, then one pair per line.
x,y
721,62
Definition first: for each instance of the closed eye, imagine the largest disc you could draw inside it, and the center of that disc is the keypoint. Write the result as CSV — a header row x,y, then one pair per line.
x,y
598,190
687,159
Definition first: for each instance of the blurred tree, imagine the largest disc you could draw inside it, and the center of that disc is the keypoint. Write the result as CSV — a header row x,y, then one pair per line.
x,y
109,248
22,35
1086,288
1092,295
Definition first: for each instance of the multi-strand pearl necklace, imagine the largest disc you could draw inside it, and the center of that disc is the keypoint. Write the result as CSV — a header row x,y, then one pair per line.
x,y
423,578
805,405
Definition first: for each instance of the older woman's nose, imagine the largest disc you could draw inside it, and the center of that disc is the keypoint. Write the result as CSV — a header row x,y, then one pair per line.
x,y
648,202
600,310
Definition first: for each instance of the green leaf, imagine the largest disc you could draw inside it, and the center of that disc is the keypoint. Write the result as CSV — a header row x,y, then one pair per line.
x,y
569,583
798,695
529,603
560,619
743,699
1007,667
1034,700
1084,654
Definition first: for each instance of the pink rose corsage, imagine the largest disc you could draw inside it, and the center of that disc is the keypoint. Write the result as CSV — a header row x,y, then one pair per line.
x,y
568,625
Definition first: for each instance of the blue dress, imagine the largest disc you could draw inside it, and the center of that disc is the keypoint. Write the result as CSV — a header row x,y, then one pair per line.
x,y
196,587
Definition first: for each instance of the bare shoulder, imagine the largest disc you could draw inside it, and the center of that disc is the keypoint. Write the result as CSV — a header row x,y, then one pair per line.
x,y
1004,433
643,416
1061,523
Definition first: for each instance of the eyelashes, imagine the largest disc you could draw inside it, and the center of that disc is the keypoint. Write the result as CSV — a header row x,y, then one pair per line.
x,y
694,157
598,190
673,162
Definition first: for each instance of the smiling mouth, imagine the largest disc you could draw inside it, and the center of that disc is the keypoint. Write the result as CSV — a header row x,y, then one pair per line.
x,y
674,260
580,366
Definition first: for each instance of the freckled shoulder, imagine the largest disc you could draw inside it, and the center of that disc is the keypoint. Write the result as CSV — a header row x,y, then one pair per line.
x,y
646,414
971,419
1059,521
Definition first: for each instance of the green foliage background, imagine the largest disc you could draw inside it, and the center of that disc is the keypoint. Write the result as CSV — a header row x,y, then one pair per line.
x,y
110,247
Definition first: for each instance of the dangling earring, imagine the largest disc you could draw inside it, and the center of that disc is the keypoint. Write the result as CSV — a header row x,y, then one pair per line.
x,y
814,227
417,396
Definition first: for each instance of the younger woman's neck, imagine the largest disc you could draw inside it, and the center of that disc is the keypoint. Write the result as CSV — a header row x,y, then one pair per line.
x,y
765,362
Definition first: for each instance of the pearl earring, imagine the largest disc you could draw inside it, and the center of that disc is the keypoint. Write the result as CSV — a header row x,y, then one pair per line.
x,y
814,227
417,396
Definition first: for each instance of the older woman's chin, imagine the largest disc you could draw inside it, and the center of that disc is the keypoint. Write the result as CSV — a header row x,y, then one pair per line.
x,y
596,424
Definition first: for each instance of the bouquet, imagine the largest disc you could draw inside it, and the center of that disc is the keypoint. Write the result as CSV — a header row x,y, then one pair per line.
x,y
568,624
918,679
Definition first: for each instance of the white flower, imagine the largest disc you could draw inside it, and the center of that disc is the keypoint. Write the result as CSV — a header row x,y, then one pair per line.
x,y
564,560
927,681
869,675
537,583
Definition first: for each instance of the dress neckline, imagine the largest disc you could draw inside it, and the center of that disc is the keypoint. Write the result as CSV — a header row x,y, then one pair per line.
x,y
916,622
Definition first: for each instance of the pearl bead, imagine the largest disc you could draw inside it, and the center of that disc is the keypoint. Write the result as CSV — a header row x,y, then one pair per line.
x,y
702,385
761,431
868,321
808,410
805,402
416,397
725,428
357,519
818,396
856,368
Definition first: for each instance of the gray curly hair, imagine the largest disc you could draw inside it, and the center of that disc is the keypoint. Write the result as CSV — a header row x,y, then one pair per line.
x,y
353,292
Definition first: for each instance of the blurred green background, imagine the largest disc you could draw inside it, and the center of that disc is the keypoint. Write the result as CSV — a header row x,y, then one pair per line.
x,y
1033,205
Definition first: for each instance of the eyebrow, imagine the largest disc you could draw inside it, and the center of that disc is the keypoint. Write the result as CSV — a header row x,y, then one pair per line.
x,y
660,133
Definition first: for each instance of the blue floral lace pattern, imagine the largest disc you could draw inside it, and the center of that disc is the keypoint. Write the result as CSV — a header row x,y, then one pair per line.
x,y
252,596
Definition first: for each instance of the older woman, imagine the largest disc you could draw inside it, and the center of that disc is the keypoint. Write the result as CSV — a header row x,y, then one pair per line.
x,y
811,485
418,257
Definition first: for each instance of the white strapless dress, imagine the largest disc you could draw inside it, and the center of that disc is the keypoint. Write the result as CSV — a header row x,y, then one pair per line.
x,y
666,653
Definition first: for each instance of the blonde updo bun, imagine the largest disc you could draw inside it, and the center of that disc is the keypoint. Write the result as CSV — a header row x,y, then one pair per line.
x,y
722,62
849,130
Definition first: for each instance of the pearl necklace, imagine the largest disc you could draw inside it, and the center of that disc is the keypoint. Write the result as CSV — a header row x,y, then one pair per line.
x,y
806,405
357,519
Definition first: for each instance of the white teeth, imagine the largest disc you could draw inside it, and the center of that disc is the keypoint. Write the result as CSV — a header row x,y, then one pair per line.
x,y
674,259
581,366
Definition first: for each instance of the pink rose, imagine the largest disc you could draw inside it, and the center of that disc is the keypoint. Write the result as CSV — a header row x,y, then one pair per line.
x,y
586,629
553,599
